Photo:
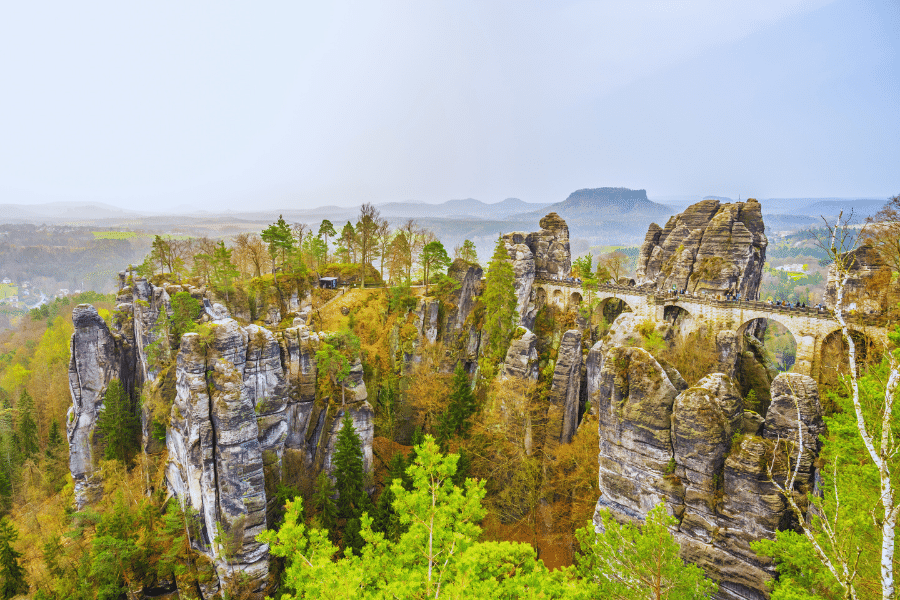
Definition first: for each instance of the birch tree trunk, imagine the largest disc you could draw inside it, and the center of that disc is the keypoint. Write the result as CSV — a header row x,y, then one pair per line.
x,y
881,453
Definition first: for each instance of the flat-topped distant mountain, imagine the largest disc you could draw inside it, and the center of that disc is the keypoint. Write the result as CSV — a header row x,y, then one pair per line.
x,y
600,204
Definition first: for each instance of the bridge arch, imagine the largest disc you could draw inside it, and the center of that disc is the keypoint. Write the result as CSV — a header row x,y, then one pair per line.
x,y
780,343
575,299
834,359
680,320
612,307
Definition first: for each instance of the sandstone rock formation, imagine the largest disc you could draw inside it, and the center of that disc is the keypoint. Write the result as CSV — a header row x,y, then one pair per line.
x,y
98,355
542,254
550,246
565,390
461,302
868,288
634,408
215,460
702,455
522,358
242,422
710,247
458,332
794,394
243,413
744,359
523,265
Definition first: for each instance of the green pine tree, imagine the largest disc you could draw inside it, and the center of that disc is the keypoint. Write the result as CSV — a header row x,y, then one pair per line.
x,y
349,477
323,500
54,438
223,270
385,518
433,259
626,561
500,314
12,575
56,465
455,419
117,423
279,241
9,446
349,471
28,433
5,488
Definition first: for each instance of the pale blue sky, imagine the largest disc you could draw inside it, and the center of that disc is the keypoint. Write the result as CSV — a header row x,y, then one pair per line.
x,y
290,104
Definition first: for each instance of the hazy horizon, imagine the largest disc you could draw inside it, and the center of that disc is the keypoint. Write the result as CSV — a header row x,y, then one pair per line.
x,y
213,106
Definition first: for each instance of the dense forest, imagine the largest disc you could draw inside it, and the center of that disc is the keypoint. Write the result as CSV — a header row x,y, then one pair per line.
x,y
466,493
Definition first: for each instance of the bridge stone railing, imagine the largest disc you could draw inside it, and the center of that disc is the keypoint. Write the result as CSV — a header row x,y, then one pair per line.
x,y
756,305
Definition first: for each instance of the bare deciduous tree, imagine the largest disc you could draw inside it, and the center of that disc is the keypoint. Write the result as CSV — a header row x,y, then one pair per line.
x,y
616,264
877,437
366,237
383,236
251,249
883,233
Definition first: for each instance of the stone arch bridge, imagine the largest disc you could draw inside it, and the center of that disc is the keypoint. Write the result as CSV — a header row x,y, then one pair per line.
x,y
809,326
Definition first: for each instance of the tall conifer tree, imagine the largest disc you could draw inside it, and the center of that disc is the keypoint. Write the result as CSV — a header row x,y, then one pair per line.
x,y
455,420
118,423
499,308
28,434
12,575
322,500
349,471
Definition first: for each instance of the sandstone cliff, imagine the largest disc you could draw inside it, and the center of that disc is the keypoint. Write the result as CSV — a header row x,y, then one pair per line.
x,y
690,450
710,247
868,288
98,355
238,404
541,254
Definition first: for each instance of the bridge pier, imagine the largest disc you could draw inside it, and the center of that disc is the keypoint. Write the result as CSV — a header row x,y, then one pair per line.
x,y
806,361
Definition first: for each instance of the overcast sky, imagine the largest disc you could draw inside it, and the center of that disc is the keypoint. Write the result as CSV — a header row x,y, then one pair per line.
x,y
299,104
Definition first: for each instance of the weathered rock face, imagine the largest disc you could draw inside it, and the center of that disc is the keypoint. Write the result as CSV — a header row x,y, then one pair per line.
x,y
215,457
634,408
744,359
462,301
793,393
704,456
244,414
711,247
98,355
459,335
522,358
565,390
242,422
550,246
868,288
541,254
522,259
705,417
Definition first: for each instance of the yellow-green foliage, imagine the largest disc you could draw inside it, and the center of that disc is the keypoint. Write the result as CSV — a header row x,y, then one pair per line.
x,y
647,327
159,398
114,235
35,356
709,268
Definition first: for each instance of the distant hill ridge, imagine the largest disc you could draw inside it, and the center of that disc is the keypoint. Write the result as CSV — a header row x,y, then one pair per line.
x,y
593,204
608,194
